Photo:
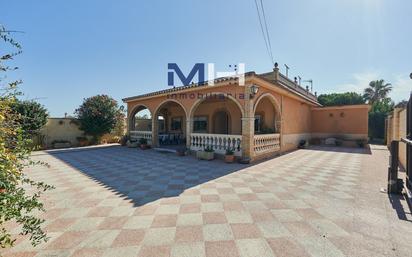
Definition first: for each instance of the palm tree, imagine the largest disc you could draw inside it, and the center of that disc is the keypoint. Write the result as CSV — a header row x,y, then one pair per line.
x,y
377,91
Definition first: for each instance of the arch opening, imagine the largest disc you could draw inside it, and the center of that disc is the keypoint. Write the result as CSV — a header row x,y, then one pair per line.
x,y
220,115
267,115
170,122
141,119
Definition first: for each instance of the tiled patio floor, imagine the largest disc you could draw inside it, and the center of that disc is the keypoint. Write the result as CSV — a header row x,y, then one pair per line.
x,y
116,201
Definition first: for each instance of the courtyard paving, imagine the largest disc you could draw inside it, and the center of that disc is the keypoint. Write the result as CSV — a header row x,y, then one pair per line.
x,y
117,201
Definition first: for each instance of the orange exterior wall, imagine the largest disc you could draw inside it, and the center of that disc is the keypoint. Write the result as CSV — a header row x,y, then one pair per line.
x,y
395,130
296,123
349,122
296,117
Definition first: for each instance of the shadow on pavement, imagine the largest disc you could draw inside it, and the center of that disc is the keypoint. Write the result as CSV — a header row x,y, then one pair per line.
x,y
340,149
144,176
401,206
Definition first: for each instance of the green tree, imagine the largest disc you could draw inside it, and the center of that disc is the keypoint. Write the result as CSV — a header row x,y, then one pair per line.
x,y
334,99
377,115
119,128
33,116
98,115
377,91
19,195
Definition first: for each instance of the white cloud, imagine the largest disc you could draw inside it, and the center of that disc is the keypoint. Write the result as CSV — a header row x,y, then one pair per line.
x,y
402,87
359,82
401,84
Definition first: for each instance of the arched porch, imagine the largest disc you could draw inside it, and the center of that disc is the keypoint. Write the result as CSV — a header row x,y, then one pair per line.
x,y
267,125
215,122
140,123
169,124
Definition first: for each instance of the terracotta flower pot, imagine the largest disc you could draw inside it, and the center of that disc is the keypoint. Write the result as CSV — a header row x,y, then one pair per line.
x,y
229,158
180,153
144,146
83,142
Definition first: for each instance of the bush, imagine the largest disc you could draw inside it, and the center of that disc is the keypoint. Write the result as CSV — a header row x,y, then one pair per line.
x,y
19,195
377,115
98,115
32,116
209,149
229,151
361,143
334,99
377,124
123,140
143,141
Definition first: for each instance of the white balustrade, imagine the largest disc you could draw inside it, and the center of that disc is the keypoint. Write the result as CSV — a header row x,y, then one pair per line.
x,y
218,142
266,143
136,135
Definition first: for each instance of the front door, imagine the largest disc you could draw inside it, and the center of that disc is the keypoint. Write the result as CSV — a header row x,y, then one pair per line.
x,y
221,123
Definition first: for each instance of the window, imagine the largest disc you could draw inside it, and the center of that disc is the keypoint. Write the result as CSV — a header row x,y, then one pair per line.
x,y
200,124
176,123
258,123
161,124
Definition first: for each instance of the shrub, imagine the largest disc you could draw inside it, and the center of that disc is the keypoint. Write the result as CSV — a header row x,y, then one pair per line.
x,y
209,149
98,115
229,151
143,141
360,143
16,203
377,115
334,99
302,143
123,140
32,116
19,195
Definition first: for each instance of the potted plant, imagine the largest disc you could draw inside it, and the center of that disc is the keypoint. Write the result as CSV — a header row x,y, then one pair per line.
x,y
123,140
83,141
143,144
131,143
360,143
207,154
229,156
302,144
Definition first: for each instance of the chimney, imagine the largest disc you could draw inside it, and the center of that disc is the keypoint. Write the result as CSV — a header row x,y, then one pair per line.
x,y
276,71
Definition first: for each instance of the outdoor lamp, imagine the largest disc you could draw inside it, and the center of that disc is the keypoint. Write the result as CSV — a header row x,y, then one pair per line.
x,y
253,90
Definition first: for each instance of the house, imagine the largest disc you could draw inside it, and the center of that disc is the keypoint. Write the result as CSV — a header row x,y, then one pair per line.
x,y
268,115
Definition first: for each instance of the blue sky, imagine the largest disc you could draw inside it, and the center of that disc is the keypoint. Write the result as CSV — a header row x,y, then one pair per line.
x,y
79,48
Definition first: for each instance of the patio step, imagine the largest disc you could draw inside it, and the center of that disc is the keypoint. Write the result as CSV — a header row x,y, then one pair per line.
x,y
164,150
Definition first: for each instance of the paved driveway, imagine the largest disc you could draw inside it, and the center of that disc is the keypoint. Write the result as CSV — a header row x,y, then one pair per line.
x,y
116,201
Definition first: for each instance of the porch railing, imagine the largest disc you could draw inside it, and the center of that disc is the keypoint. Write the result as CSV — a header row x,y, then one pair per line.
x,y
219,142
136,135
266,143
